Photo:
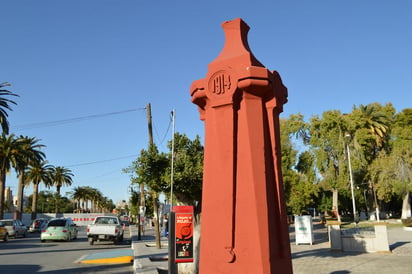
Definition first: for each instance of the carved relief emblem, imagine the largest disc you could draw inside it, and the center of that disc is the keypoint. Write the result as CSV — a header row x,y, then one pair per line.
x,y
220,83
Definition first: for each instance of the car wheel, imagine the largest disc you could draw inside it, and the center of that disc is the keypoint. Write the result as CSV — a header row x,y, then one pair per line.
x,y
42,241
24,234
6,238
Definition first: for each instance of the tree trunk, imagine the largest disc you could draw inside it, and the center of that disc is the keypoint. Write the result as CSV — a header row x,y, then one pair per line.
x,y
20,191
335,204
34,202
57,199
375,199
406,207
2,189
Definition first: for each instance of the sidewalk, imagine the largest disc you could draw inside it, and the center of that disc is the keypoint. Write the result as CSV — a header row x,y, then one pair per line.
x,y
145,250
316,258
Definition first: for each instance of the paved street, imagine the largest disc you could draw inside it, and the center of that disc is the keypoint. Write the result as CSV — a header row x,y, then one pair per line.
x,y
28,255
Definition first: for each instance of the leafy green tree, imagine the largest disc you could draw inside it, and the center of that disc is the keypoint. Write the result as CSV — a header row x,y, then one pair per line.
x,y
60,176
38,172
391,172
149,169
305,189
299,176
4,106
45,200
187,171
328,148
134,203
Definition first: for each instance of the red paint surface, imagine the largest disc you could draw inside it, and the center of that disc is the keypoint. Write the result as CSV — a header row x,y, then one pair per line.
x,y
244,219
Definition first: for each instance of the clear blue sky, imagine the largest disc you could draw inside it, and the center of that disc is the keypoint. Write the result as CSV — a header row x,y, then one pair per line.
x,y
70,59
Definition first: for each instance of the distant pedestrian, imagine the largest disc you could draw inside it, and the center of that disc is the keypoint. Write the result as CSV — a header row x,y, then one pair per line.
x,y
166,225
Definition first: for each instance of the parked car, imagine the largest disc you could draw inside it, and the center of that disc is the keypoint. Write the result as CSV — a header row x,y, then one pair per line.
x,y
15,228
59,229
4,234
38,225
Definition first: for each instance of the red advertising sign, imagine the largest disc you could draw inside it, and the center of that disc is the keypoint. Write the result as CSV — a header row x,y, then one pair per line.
x,y
183,234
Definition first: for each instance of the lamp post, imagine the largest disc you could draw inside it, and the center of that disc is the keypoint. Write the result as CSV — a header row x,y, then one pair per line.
x,y
173,114
347,135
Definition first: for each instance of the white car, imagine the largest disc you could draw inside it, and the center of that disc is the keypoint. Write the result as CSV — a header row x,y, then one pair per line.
x,y
38,225
15,228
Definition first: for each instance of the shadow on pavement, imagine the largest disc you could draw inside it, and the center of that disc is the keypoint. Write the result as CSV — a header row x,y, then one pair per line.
x,y
323,253
397,244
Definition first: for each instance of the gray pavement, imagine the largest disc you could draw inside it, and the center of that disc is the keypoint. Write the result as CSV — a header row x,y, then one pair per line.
x,y
316,258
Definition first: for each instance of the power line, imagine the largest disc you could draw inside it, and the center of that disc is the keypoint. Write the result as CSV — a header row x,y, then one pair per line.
x,y
74,120
103,161
165,135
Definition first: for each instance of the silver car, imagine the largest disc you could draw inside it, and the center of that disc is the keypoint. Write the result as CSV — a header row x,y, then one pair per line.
x,y
15,228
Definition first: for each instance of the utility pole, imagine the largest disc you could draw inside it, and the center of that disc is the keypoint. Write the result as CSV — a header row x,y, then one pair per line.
x,y
155,206
149,123
142,192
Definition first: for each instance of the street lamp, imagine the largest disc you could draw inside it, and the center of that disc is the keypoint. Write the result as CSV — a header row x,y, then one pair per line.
x,y
347,136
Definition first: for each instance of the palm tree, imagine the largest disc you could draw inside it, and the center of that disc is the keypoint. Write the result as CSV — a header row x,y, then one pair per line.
x,y
29,153
5,105
60,176
78,196
96,199
82,194
8,155
37,173
375,120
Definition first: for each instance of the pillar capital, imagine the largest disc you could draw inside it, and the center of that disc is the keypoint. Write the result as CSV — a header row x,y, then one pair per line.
x,y
236,70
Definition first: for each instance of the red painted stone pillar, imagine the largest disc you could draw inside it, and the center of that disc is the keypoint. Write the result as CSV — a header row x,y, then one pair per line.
x,y
244,219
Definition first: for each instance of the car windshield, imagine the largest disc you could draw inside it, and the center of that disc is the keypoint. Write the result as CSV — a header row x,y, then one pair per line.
x,y
57,223
8,223
104,220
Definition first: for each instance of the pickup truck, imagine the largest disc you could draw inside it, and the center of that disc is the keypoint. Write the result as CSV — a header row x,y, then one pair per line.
x,y
105,228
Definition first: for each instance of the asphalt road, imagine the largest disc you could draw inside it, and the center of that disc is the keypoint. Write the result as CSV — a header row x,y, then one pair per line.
x,y
29,255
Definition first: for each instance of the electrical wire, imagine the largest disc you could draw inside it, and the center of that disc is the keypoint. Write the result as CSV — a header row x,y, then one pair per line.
x,y
103,161
72,120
